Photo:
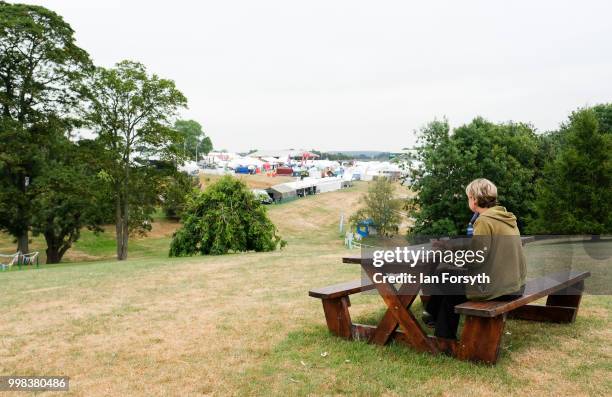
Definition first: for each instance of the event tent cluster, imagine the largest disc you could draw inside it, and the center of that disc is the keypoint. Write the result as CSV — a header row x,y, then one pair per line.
x,y
307,186
292,162
312,175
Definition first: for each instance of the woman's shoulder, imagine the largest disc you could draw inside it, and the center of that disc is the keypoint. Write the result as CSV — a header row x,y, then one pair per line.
x,y
483,226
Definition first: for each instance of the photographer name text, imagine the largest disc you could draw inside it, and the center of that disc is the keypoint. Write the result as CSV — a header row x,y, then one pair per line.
x,y
420,278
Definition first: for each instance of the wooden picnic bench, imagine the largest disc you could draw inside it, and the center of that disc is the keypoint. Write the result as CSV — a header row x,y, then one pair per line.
x,y
484,320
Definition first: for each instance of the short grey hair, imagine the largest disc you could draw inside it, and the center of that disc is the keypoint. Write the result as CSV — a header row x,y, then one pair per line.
x,y
483,191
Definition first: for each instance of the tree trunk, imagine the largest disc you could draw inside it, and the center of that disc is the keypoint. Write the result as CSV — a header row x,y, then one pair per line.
x,y
23,243
119,238
122,189
122,240
53,254
56,248
121,227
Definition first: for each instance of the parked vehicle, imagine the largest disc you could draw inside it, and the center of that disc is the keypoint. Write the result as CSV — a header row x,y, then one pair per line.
x,y
263,196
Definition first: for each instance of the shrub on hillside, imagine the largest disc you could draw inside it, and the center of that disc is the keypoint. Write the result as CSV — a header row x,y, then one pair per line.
x,y
226,217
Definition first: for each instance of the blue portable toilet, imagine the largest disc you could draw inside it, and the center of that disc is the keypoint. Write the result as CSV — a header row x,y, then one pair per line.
x,y
363,227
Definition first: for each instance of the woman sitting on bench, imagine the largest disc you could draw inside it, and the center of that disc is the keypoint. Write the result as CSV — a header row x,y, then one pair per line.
x,y
504,263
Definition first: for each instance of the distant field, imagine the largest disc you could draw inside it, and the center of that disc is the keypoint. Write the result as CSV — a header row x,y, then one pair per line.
x,y
243,325
258,181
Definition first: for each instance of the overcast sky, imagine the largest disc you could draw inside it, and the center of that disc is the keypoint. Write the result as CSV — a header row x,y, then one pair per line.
x,y
353,75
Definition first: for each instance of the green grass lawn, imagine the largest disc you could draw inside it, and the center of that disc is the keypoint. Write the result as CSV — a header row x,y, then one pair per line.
x,y
100,246
243,324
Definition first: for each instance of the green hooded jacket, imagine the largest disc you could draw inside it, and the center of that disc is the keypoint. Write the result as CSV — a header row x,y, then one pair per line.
x,y
497,235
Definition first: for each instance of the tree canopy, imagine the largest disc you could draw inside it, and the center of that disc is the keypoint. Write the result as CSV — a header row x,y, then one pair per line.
x,y
69,195
226,217
175,190
447,161
40,69
132,114
194,142
380,207
574,192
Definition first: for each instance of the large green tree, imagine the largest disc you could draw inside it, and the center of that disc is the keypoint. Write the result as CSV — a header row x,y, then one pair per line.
x,y
132,113
573,196
226,217
195,142
69,195
445,162
40,67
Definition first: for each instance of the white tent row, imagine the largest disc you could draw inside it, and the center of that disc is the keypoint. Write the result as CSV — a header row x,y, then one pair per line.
x,y
280,154
367,170
348,174
272,160
322,185
213,157
245,162
329,184
302,184
190,167
322,164
217,171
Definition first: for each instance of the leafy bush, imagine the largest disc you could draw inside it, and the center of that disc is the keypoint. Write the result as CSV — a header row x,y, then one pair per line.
x,y
380,207
226,217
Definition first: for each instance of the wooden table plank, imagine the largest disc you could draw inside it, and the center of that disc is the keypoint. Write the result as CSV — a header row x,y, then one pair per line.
x,y
359,259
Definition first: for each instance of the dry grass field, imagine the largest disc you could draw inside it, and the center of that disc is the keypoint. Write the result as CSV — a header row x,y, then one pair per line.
x,y
243,324
258,181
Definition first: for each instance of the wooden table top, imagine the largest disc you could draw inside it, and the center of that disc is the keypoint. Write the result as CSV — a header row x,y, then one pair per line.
x,y
358,259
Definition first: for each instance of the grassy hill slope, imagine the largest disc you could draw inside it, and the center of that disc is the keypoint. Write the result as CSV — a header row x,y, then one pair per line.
x,y
243,324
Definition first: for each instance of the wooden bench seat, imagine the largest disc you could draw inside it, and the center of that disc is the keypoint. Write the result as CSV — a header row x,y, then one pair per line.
x,y
342,289
558,285
336,302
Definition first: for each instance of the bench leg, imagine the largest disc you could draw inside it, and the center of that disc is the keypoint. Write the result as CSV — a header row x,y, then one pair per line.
x,y
481,339
549,313
337,316
568,297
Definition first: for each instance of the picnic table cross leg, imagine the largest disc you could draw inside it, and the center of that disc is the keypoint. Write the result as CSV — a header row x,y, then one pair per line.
x,y
413,333
387,326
